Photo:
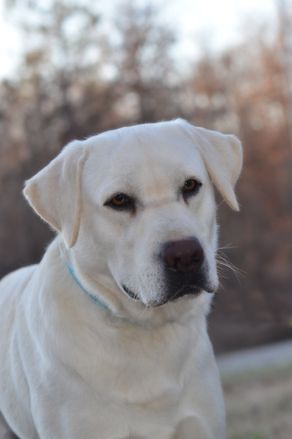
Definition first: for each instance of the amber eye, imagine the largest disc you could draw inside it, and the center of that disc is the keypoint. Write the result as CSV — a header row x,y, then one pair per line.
x,y
191,187
120,202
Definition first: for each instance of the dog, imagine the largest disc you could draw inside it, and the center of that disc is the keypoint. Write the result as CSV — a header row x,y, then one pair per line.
x,y
106,337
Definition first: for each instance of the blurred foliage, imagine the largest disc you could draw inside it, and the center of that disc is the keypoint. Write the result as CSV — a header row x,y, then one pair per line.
x,y
76,79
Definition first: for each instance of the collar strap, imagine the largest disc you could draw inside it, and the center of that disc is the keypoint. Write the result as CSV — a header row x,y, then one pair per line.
x,y
96,299
91,296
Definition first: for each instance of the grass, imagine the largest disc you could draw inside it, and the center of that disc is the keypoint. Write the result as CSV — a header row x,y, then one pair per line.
x,y
259,405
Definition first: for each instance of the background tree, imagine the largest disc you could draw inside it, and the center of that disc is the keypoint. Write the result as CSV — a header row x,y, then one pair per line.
x,y
76,78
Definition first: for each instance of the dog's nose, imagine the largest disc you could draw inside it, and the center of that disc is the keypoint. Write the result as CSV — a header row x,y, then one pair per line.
x,y
183,256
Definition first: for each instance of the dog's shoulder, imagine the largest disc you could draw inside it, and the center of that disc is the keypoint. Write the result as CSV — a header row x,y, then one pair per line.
x,y
16,280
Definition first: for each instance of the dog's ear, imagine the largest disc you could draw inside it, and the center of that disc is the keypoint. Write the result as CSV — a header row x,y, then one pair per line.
x,y
222,155
55,192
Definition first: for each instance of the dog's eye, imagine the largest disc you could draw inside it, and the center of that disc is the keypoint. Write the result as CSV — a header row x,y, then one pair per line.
x,y
191,187
120,202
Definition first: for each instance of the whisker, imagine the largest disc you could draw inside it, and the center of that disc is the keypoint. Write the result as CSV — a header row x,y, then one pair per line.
x,y
227,247
223,263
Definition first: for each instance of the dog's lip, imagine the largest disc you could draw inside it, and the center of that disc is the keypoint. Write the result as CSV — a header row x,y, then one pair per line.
x,y
187,290
130,293
211,289
191,291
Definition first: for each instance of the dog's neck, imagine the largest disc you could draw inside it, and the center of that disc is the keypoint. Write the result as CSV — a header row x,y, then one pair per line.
x,y
90,295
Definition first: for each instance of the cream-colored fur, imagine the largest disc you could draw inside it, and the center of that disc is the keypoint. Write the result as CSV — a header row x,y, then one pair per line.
x,y
72,368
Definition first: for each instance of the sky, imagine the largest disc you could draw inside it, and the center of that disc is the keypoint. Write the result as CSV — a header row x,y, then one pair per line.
x,y
219,23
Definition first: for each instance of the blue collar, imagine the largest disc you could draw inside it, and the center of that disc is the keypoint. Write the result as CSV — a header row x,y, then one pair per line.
x,y
91,296
94,298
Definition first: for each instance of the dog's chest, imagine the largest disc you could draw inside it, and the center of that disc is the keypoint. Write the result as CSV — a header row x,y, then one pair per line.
x,y
146,384
142,366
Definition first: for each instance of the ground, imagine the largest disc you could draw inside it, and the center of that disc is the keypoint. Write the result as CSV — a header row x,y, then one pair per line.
x,y
259,404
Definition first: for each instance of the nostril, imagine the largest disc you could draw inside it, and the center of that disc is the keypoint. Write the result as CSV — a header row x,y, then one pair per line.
x,y
198,254
184,255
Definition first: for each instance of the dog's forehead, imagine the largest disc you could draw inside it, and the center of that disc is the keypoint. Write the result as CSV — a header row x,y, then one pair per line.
x,y
160,151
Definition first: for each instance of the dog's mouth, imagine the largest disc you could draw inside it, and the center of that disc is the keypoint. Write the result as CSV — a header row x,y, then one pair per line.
x,y
130,293
180,284
188,289
185,290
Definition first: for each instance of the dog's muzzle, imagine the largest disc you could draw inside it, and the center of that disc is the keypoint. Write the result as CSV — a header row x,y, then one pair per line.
x,y
184,270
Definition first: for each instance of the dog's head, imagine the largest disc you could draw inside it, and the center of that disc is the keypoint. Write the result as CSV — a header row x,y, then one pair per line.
x,y
137,205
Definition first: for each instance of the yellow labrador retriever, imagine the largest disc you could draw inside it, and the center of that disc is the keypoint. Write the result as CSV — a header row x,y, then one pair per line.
x,y
106,338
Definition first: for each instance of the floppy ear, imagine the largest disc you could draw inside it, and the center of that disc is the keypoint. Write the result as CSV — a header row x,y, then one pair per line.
x,y
222,155
55,192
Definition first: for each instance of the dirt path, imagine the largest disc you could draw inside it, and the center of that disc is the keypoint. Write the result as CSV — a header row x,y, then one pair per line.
x,y
271,356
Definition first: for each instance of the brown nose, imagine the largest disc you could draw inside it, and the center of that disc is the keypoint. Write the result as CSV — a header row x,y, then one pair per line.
x,y
183,256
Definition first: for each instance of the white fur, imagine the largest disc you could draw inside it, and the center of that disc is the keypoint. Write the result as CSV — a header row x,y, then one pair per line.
x,y
70,369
